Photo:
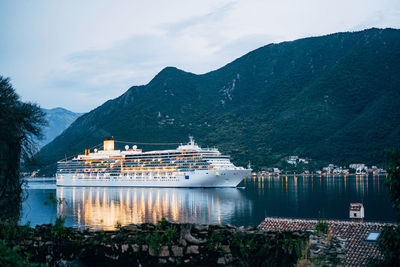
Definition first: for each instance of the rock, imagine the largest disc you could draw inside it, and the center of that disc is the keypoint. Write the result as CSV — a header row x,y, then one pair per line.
x,y
216,226
192,250
186,235
177,251
48,243
230,226
49,258
221,260
135,247
183,242
113,257
225,248
63,263
130,227
186,261
228,258
145,247
332,251
152,252
250,228
201,228
124,248
317,251
170,259
162,261
164,252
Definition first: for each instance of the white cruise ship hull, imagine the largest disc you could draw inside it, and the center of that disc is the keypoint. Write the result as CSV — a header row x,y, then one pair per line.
x,y
203,178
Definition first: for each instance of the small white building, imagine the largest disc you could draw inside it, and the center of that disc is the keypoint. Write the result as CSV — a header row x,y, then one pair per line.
x,y
356,211
293,160
277,171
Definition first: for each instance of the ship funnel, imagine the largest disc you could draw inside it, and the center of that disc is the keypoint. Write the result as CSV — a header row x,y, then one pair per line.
x,y
109,144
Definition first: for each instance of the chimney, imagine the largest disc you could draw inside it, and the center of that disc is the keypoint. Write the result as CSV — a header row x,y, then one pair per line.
x,y
109,144
356,211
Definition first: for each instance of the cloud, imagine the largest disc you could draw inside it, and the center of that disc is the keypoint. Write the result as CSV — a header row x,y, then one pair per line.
x,y
212,17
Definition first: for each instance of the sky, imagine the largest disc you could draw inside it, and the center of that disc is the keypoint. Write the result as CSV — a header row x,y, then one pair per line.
x,y
78,54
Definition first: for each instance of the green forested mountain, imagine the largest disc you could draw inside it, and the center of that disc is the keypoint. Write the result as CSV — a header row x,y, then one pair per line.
x,y
333,98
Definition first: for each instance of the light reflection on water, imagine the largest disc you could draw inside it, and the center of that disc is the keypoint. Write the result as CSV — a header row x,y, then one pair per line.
x,y
101,207
284,196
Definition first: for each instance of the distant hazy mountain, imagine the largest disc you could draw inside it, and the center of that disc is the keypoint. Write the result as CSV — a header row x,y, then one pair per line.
x,y
58,120
333,98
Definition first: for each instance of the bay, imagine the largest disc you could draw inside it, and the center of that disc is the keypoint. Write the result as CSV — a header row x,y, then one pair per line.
x,y
316,197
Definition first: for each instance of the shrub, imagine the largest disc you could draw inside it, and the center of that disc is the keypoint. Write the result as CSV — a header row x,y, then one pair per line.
x,y
59,231
322,227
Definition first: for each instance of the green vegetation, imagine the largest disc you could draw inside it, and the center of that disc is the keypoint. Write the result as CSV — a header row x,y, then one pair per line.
x,y
10,231
389,241
322,227
215,241
393,178
11,256
256,251
118,225
10,253
164,234
59,231
389,244
332,98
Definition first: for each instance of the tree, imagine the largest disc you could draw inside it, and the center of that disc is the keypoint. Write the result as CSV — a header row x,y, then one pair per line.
x,y
19,123
389,242
393,177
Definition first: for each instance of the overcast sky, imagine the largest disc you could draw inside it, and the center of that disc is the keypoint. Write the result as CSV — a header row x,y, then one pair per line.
x,y
78,54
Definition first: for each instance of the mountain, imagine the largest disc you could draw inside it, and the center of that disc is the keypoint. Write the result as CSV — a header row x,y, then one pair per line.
x,y
58,120
333,98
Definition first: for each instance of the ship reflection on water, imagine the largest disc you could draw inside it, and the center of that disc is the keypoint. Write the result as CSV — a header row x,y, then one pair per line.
x,y
104,208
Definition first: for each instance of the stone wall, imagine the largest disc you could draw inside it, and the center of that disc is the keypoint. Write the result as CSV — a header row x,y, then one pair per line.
x,y
167,244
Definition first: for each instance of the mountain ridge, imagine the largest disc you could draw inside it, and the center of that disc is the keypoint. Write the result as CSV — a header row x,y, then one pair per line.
x,y
311,97
58,120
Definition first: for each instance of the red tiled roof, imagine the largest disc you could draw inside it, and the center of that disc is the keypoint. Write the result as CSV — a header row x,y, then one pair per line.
x,y
353,233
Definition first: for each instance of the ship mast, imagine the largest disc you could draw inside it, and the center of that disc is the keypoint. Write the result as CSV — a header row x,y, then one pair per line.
x,y
191,142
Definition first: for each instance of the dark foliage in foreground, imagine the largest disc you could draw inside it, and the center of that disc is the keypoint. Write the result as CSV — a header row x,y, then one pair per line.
x,y
389,241
146,244
19,123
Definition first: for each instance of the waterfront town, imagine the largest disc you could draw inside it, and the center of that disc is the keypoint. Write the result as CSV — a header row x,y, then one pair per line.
x,y
304,166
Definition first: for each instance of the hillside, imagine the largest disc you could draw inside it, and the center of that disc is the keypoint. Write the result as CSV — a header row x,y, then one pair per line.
x,y
58,120
333,98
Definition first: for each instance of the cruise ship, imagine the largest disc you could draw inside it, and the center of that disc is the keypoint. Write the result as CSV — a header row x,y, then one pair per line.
x,y
189,165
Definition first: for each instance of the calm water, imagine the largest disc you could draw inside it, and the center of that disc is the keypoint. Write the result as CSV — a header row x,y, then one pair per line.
x,y
292,196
